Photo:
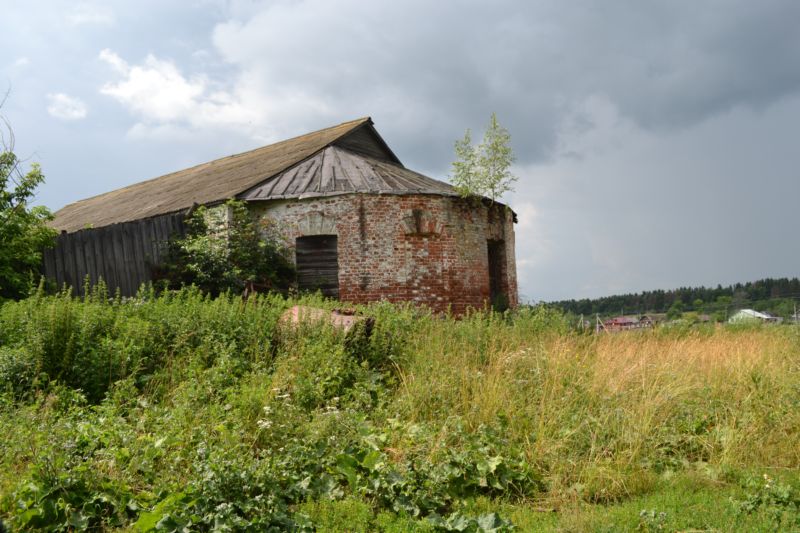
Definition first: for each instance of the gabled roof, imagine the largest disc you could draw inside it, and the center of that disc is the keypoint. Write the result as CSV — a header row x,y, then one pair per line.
x,y
335,170
219,180
750,314
622,320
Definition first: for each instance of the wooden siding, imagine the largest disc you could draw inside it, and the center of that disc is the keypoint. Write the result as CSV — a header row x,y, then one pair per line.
x,y
318,264
123,255
336,170
366,141
497,269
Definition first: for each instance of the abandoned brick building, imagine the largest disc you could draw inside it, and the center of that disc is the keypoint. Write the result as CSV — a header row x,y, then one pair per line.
x,y
364,227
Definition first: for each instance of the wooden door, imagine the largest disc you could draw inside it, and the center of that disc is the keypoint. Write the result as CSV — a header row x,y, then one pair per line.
x,y
318,264
497,269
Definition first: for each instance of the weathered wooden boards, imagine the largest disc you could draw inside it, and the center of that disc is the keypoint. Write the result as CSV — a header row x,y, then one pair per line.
x,y
318,264
336,170
123,255
365,140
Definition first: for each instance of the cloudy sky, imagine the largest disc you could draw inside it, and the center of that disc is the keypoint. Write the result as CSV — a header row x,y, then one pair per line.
x,y
657,142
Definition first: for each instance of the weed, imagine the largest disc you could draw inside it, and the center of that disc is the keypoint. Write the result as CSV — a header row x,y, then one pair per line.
x,y
779,501
182,412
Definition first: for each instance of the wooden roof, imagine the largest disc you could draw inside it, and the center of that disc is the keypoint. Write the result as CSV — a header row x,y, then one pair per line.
x,y
217,180
336,170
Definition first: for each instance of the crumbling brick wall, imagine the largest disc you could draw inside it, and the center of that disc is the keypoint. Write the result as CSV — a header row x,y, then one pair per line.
x,y
422,248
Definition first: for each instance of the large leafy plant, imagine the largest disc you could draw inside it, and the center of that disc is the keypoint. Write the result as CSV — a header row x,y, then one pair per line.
x,y
227,249
23,229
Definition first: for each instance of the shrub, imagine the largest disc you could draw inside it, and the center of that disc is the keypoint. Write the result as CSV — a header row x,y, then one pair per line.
x,y
17,371
227,249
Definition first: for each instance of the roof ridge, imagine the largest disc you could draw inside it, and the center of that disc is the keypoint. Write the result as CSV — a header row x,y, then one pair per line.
x,y
358,121
355,123
373,174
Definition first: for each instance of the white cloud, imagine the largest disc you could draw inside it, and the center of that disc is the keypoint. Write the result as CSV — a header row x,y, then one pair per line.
x,y
21,62
116,62
532,235
168,102
84,14
65,107
532,242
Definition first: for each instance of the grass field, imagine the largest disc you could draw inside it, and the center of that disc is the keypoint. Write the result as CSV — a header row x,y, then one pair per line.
x,y
182,413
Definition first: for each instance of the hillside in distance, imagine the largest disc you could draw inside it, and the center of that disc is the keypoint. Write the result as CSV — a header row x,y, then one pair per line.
x,y
778,296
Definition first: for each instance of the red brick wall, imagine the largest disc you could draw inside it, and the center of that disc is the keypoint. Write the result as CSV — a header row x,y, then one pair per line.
x,y
426,249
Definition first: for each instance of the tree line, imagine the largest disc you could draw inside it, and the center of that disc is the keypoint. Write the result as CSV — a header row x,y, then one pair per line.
x,y
774,295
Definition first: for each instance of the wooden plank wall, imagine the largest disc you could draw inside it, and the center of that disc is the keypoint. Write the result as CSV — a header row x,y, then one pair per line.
x,y
123,255
364,141
318,264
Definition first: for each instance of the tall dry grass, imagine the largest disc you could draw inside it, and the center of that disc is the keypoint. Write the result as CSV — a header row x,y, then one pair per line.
x,y
604,415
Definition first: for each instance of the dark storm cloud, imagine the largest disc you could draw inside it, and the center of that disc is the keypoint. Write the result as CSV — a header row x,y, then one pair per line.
x,y
710,204
446,66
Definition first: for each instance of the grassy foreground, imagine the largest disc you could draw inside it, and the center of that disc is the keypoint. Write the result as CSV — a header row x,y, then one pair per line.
x,y
182,413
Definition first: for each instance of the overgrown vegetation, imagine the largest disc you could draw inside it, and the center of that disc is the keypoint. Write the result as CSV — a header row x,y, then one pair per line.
x,y
23,229
227,249
182,412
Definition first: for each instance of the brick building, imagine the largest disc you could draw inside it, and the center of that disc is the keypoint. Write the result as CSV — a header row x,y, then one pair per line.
x,y
363,226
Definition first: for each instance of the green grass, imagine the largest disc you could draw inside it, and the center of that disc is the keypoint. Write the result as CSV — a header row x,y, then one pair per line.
x,y
173,412
686,502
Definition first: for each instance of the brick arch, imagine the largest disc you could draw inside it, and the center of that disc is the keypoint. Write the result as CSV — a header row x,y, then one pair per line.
x,y
316,223
420,222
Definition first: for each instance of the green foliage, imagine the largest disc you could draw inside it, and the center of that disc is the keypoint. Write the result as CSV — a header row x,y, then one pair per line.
x,y
69,497
62,491
227,249
23,229
17,370
777,296
780,501
675,310
182,412
92,344
483,170
465,167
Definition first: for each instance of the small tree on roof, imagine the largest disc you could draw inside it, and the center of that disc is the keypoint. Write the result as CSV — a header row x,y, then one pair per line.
x,y
483,170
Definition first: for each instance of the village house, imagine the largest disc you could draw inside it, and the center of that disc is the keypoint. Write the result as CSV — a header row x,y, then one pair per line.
x,y
363,227
623,323
750,315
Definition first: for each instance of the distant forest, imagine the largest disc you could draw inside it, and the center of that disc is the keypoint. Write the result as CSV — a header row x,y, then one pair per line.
x,y
776,296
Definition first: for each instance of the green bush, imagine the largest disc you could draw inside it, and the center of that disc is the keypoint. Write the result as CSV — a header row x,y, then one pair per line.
x,y
92,343
17,371
226,249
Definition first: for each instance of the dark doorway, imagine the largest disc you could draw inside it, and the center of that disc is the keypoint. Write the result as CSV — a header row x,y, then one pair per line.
x,y
497,269
318,264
